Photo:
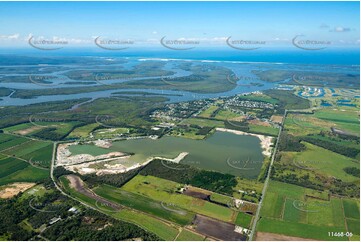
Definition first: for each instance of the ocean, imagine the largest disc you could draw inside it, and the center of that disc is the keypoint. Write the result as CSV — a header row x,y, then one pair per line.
x,y
335,56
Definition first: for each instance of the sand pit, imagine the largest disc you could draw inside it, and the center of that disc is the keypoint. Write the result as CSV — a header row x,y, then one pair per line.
x,y
13,189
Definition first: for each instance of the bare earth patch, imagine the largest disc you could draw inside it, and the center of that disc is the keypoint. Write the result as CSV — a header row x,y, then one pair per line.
x,y
263,236
13,189
277,119
259,122
28,130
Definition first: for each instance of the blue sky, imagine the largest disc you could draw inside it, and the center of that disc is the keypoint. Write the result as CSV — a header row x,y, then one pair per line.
x,y
211,23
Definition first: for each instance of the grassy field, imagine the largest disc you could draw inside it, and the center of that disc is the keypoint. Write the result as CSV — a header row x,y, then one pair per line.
x,y
188,132
42,129
16,153
27,174
221,198
109,133
208,112
204,122
226,115
248,186
298,229
145,204
351,208
39,152
163,230
303,124
324,161
244,220
25,128
260,98
259,129
83,131
165,191
288,209
187,235
345,119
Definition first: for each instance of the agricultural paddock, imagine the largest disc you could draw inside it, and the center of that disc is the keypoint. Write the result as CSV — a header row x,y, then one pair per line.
x,y
187,235
165,231
23,159
217,229
166,191
290,210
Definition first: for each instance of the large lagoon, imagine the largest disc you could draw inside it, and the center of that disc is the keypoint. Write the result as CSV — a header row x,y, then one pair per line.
x,y
239,155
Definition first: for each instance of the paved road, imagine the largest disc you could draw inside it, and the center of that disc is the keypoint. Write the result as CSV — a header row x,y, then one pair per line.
x,y
265,186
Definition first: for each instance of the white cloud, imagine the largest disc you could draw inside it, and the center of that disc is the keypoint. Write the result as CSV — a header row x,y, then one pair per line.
x,y
341,29
10,37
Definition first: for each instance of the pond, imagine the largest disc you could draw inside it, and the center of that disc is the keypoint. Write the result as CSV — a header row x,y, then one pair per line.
x,y
239,155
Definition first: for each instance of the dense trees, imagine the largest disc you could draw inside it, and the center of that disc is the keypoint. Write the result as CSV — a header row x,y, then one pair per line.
x,y
94,226
352,171
289,142
209,180
84,225
333,146
116,180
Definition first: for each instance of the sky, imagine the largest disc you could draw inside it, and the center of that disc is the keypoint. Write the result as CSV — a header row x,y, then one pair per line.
x,y
207,23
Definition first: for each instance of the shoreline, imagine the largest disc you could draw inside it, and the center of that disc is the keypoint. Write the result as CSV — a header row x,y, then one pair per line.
x,y
266,141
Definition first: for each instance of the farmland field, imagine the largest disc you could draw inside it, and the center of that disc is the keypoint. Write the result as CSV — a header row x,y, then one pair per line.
x,y
345,119
187,235
244,220
145,204
160,228
165,191
23,160
325,162
305,217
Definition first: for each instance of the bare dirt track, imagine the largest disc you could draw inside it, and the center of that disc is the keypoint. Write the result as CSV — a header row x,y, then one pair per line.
x,y
263,236
217,229
79,186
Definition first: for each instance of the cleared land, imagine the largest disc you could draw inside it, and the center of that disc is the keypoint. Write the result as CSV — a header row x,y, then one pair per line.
x,y
289,210
165,191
